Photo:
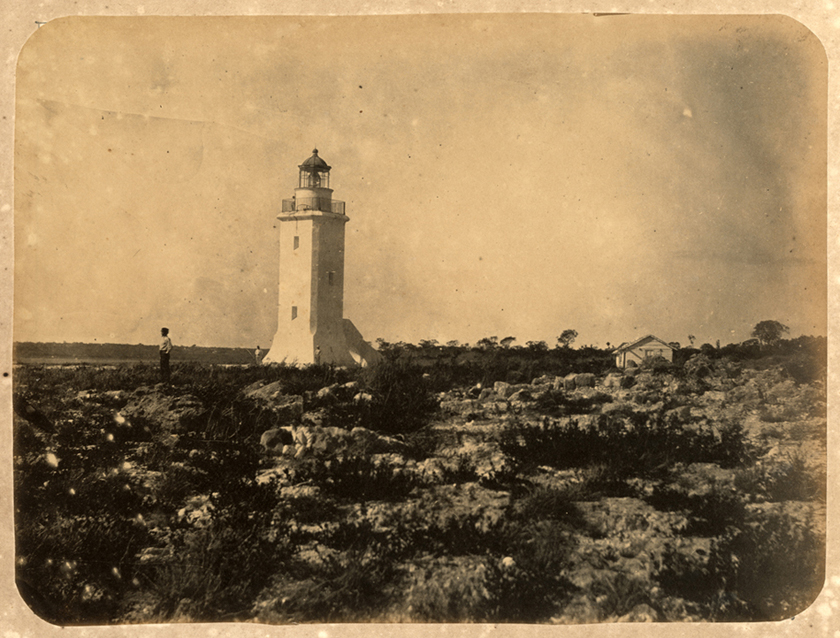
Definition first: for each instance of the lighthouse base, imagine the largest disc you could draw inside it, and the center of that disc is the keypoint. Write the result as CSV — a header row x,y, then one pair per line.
x,y
343,346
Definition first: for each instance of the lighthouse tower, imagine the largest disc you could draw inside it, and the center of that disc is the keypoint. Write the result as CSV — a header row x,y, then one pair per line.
x,y
310,321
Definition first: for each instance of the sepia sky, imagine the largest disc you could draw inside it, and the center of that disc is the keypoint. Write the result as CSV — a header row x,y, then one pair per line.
x,y
504,175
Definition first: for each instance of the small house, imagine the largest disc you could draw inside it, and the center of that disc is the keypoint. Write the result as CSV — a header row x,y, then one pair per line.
x,y
648,347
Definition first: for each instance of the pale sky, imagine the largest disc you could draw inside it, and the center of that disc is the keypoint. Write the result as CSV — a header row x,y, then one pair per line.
x,y
504,175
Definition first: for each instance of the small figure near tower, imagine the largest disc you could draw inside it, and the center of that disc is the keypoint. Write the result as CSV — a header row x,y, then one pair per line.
x,y
311,327
165,351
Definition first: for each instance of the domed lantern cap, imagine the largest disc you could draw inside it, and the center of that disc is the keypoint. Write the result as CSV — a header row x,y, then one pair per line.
x,y
314,163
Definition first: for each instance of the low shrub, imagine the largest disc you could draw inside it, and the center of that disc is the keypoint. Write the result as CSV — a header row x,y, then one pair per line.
x,y
788,478
557,403
549,504
709,513
629,447
77,569
402,400
526,584
358,478
350,586
604,480
685,574
618,594
769,569
209,571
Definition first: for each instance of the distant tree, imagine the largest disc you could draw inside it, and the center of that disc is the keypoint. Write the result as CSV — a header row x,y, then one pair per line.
x,y
428,343
507,342
567,337
537,346
452,344
769,332
675,345
708,349
488,343
691,339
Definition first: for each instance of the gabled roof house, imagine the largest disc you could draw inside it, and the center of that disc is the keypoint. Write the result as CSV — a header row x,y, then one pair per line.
x,y
638,351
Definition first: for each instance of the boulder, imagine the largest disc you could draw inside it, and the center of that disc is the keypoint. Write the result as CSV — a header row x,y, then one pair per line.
x,y
499,407
273,440
326,393
612,380
678,415
486,394
466,408
585,380
521,396
288,407
618,408
374,443
31,414
569,382
172,414
363,398
640,613
714,396
619,381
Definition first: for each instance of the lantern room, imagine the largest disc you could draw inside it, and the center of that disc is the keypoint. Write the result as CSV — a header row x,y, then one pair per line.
x,y
313,192
314,173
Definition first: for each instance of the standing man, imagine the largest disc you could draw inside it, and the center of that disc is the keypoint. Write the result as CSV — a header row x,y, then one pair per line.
x,y
165,349
258,355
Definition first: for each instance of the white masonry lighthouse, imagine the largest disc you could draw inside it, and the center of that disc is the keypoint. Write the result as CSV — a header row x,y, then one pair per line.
x,y
311,327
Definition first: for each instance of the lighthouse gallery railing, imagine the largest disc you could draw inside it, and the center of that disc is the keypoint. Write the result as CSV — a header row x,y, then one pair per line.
x,y
313,203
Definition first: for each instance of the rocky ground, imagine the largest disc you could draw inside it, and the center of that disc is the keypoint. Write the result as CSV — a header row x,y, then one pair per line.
x,y
648,495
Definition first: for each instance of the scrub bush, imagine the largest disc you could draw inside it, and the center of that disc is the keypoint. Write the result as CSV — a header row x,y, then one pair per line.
x,y
630,447
769,569
709,513
402,400
782,479
212,569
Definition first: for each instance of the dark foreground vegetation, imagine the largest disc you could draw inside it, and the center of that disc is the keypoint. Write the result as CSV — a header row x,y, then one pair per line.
x,y
447,484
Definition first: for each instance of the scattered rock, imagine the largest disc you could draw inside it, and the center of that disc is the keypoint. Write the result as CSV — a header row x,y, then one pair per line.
x,y
173,414
714,396
521,396
678,415
273,440
363,398
640,613
474,391
459,407
32,415
612,380
288,408
373,443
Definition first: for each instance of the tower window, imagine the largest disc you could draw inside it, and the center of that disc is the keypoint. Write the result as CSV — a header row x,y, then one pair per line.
x,y
296,242
294,312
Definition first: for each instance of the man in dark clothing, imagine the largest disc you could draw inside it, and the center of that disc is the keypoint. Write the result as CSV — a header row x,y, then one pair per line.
x,y
165,349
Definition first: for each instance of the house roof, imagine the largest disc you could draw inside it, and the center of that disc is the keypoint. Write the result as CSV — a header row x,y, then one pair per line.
x,y
624,347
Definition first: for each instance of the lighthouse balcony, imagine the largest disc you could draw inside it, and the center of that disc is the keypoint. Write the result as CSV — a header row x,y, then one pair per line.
x,y
325,204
